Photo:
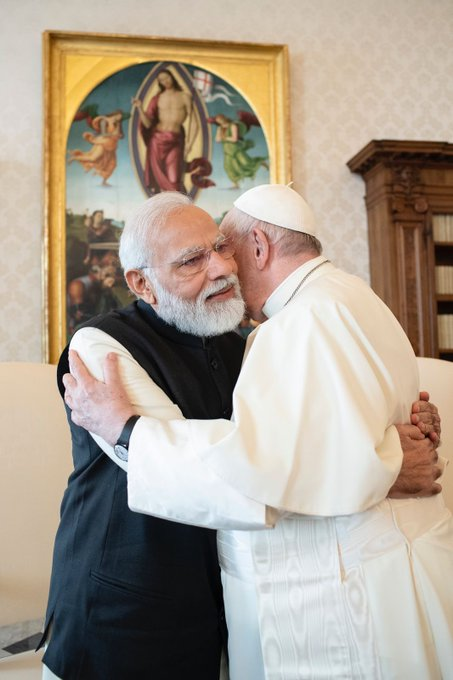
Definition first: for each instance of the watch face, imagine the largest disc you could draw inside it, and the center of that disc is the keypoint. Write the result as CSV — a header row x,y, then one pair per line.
x,y
121,451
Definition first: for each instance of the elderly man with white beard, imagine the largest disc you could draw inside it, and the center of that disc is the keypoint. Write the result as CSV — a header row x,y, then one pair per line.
x,y
132,596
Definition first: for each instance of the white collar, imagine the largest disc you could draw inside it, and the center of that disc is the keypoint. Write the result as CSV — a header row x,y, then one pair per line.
x,y
281,295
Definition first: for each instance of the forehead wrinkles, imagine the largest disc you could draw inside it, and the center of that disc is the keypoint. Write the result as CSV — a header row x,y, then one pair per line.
x,y
208,244
185,231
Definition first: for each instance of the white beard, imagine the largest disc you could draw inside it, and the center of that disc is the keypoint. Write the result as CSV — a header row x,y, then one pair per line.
x,y
198,317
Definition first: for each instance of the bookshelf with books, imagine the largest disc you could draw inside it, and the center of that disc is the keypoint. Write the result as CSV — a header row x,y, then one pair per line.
x,y
443,277
409,201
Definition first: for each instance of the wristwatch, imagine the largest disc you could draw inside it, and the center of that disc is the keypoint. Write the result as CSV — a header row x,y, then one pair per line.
x,y
121,447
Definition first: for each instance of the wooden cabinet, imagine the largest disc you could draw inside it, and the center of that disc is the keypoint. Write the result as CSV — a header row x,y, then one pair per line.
x,y
409,200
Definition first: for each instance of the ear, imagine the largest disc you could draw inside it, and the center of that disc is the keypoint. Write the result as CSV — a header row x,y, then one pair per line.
x,y
261,248
140,286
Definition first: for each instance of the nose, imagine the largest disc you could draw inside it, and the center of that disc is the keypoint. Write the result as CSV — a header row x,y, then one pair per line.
x,y
219,266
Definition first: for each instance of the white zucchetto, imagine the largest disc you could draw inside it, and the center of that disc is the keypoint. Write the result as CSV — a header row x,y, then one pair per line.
x,y
280,205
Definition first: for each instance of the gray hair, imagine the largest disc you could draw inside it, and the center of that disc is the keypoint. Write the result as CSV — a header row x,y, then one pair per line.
x,y
289,241
143,226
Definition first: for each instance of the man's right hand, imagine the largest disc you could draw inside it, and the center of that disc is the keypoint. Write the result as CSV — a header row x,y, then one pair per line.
x,y
100,407
419,470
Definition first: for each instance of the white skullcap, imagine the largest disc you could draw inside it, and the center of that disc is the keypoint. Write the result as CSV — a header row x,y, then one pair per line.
x,y
280,205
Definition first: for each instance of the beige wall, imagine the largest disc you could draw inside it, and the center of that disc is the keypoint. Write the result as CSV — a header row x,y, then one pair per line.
x,y
360,70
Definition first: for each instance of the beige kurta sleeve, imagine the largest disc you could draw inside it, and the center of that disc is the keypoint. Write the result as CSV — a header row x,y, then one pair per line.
x,y
313,412
176,485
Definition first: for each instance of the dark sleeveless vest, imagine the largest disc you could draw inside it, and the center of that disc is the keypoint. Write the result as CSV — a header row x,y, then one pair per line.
x,y
132,596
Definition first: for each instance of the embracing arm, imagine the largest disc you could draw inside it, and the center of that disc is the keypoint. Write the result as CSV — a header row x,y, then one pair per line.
x,y
139,395
175,437
174,485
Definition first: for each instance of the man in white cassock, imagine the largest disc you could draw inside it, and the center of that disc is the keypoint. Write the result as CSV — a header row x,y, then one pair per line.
x,y
343,582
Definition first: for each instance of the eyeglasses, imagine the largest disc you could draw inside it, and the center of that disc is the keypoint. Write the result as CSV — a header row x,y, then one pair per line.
x,y
197,261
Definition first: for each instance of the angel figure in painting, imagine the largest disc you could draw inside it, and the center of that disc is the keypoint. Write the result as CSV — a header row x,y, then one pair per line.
x,y
230,133
101,158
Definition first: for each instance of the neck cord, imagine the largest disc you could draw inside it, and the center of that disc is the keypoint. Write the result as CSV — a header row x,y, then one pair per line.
x,y
297,288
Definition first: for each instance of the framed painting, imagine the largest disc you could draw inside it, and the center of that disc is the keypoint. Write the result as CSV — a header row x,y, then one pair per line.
x,y
128,117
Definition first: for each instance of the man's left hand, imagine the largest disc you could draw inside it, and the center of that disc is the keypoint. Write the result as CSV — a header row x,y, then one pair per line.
x,y
426,417
420,469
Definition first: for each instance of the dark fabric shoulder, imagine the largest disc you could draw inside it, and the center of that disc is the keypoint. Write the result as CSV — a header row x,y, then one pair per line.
x,y
96,322
62,368
155,345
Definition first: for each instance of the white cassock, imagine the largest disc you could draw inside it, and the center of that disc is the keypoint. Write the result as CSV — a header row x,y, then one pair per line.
x,y
348,584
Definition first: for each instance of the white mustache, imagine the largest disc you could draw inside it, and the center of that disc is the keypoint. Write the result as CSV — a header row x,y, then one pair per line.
x,y
221,284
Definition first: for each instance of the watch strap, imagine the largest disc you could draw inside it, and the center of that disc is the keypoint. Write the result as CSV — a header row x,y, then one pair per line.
x,y
123,439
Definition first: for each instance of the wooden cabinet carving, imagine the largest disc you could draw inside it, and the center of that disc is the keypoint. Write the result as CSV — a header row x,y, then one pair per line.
x,y
409,200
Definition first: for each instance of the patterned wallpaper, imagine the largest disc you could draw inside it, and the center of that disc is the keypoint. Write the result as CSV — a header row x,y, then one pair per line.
x,y
360,70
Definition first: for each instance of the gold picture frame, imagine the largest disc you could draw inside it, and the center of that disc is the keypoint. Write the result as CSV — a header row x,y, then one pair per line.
x,y
76,63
